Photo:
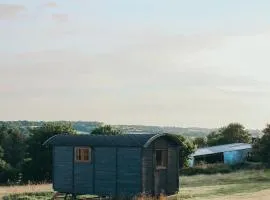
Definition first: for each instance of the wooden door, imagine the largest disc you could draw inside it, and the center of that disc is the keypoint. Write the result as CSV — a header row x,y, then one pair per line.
x,y
160,171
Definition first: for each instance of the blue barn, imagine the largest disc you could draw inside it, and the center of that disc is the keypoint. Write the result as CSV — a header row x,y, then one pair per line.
x,y
229,154
119,165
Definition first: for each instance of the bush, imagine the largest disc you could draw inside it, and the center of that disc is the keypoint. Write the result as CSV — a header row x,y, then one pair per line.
x,y
221,168
206,169
7,173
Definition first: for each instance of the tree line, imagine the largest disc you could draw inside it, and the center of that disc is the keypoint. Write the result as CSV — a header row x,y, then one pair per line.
x,y
23,158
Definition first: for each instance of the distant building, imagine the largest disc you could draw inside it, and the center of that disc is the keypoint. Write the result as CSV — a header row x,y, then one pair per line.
x,y
230,154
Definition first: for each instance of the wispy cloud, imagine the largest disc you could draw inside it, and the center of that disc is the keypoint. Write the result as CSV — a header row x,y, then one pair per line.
x,y
10,11
60,17
5,88
50,4
145,71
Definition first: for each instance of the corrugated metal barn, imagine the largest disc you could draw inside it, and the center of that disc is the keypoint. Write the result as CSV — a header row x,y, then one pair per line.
x,y
230,154
115,165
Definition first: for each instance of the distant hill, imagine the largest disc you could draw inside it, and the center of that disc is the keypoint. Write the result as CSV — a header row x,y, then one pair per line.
x,y
85,127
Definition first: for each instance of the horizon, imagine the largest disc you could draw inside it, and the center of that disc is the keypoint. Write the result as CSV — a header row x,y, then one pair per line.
x,y
157,125
182,63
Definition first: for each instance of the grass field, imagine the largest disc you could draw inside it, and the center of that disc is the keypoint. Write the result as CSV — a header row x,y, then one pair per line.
x,y
225,186
242,185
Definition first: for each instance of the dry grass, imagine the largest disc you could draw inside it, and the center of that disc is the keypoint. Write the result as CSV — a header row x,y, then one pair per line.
x,y
4,190
248,184
161,197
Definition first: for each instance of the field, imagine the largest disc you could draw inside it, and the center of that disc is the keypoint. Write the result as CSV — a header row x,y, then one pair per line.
x,y
249,185
238,185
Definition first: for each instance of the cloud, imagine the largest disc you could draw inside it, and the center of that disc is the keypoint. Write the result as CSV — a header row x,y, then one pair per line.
x,y
50,5
160,80
5,89
10,11
60,17
162,62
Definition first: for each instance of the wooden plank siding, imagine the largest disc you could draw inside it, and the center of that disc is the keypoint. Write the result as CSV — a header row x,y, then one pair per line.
x,y
128,171
63,169
172,173
105,171
147,170
83,176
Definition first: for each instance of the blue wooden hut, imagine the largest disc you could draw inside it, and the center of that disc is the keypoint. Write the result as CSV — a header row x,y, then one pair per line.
x,y
119,165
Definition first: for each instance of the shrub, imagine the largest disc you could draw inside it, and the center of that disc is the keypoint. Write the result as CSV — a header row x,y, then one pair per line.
x,y
7,173
204,168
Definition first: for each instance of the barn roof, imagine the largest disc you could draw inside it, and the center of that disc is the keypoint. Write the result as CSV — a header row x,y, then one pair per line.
x,y
221,148
130,140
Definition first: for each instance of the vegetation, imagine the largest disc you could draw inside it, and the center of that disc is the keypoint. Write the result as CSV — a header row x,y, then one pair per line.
x,y
216,186
106,130
23,157
186,150
233,133
204,168
30,196
200,142
41,196
262,147
38,163
89,126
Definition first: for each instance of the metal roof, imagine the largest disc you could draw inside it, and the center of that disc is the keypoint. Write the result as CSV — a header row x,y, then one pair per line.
x,y
221,148
130,140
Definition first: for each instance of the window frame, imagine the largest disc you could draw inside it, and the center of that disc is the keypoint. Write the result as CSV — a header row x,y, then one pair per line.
x,y
76,149
164,159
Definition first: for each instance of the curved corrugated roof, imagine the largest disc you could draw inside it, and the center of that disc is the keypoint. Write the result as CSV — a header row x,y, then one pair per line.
x,y
130,140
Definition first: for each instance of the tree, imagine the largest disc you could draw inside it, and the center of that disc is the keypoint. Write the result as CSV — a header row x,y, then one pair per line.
x,y
12,152
200,142
186,150
106,130
38,164
13,144
261,148
1,152
233,133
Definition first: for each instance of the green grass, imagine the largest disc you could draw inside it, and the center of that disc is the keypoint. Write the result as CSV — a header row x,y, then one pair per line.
x,y
37,196
240,183
30,196
200,186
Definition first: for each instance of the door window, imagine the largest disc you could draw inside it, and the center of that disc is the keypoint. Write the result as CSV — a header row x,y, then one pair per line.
x,y
161,159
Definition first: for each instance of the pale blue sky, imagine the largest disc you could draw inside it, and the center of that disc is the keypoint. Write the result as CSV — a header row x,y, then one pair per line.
x,y
183,63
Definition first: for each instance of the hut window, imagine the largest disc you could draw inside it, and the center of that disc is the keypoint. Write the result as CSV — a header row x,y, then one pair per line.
x,y
83,154
161,159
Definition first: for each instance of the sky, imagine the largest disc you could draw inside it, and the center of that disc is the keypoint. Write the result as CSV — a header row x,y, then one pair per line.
x,y
169,63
